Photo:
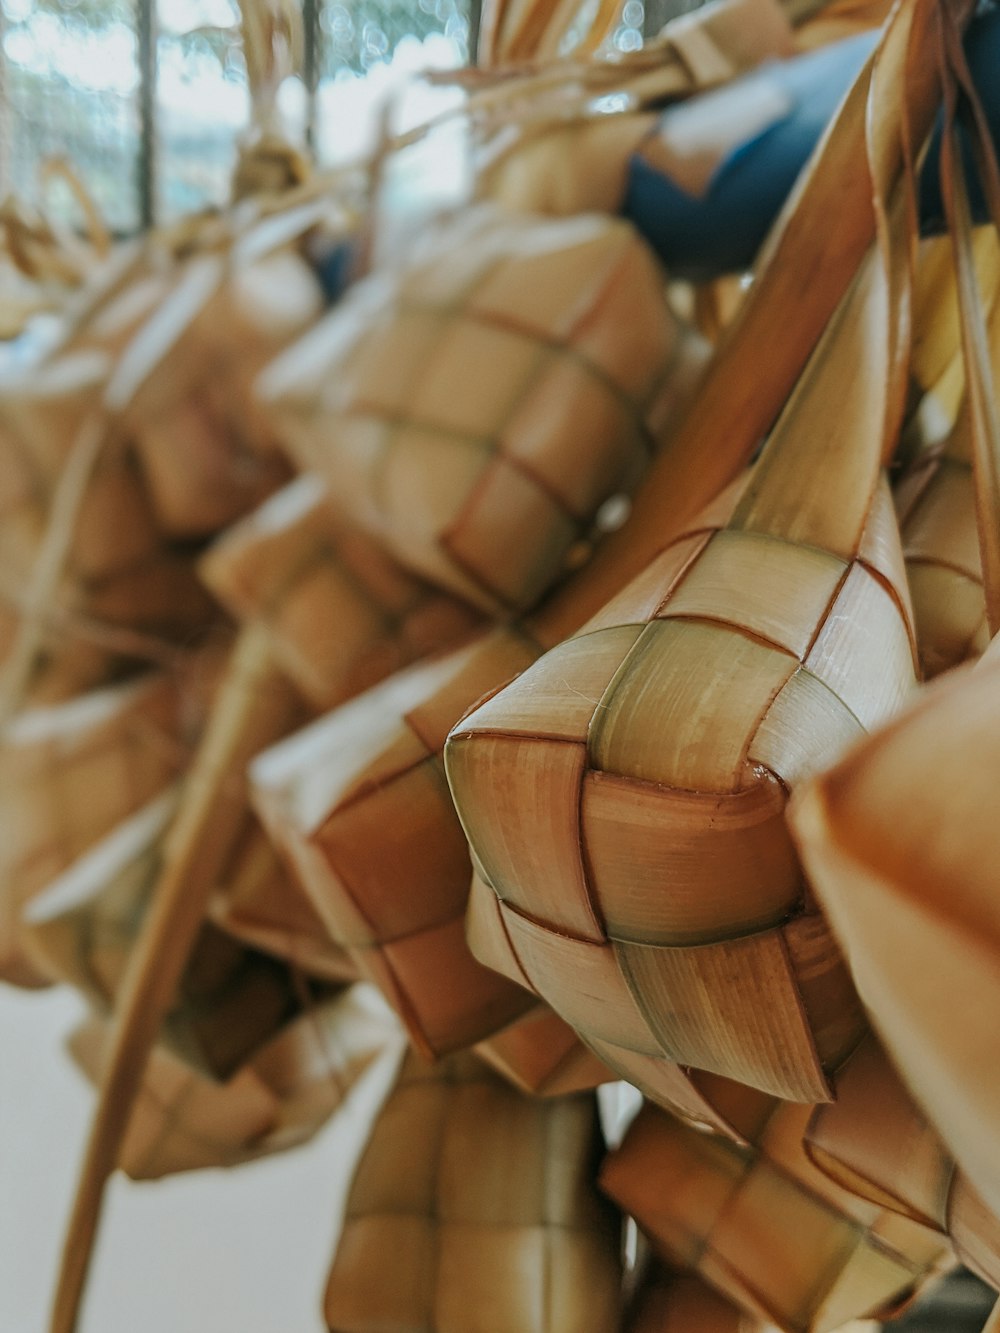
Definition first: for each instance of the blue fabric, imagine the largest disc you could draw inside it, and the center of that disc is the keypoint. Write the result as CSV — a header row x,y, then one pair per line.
x,y
333,269
721,232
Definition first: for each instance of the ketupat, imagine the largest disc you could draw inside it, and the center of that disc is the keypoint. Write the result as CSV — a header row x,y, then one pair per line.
x,y
764,1226
476,408
358,803
876,1142
486,1201
277,1099
68,775
654,751
904,871
340,613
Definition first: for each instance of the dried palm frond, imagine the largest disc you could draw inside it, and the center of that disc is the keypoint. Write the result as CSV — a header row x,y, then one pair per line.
x,y
476,408
354,802
625,797
68,775
278,1098
876,1142
340,613
485,1201
763,1226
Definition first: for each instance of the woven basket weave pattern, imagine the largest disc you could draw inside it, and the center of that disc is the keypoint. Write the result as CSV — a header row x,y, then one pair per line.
x,y
341,613
704,896
68,775
185,1121
763,1226
465,1182
359,804
534,369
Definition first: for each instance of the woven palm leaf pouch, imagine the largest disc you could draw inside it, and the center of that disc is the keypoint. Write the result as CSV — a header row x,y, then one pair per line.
x,y
625,797
340,613
69,774
762,1225
486,1202
279,1097
475,408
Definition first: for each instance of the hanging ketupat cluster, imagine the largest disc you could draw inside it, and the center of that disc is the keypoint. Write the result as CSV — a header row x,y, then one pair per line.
x,y
452,637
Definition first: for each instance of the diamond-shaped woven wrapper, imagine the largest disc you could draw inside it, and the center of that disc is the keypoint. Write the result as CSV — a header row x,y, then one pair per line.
x,y
476,408
484,1202
625,799
670,1302
184,1120
937,513
898,844
359,805
876,1142
341,613
68,775
763,1226
119,571
183,383
82,930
